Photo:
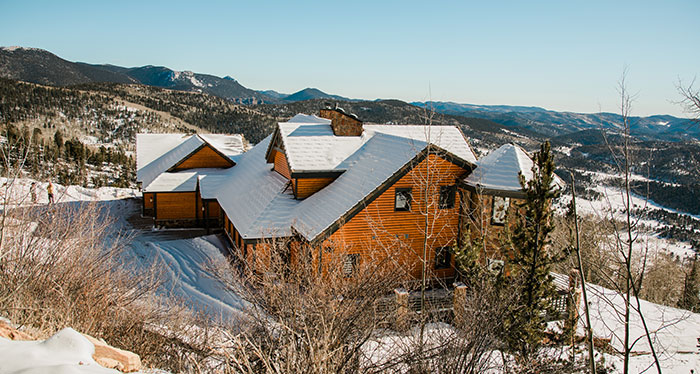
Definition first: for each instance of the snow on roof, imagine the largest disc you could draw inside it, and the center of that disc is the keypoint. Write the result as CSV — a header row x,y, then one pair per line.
x,y
255,197
270,209
308,118
147,173
151,146
211,181
312,146
378,159
449,138
499,169
186,181
182,181
229,145
156,153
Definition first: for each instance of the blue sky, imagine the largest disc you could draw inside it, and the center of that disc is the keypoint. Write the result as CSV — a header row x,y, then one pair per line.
x,y
561,55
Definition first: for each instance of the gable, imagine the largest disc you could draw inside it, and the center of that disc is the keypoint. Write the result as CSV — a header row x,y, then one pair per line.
x,y
447,170
204,157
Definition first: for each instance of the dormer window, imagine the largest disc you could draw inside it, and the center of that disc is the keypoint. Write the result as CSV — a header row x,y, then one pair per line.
x,y
402,199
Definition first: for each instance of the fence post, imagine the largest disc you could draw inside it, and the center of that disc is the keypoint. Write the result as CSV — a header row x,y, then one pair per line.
x,y
402,310
459,299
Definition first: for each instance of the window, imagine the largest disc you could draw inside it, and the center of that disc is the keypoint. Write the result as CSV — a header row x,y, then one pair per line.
x,y
402,201
447,197
350,264
499,210
443,257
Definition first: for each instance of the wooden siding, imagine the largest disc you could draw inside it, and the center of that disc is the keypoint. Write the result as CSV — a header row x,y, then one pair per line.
x,y
175,205
148,200
305,187
281,165
206,157
379,232
214,209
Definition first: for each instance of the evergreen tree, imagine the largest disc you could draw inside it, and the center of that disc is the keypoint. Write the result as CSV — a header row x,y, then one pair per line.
x,y
532,260
467,258
690,299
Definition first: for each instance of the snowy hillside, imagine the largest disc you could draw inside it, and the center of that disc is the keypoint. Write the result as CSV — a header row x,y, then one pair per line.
x,y
185,255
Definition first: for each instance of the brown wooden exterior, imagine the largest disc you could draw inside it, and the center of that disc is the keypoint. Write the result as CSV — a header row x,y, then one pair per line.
x,y
378,232
204,157
373,230
281,165
148,203
305,187
172,206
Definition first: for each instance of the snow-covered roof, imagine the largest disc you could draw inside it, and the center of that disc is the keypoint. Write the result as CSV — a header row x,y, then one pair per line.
x,y
211,181
157,153
379,158
366,162
256,198
186,181
182,181
229,145
449,138
310,144
499,170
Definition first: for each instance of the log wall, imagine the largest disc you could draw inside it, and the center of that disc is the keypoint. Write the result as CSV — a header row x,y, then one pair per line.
x,y
378,231
206,157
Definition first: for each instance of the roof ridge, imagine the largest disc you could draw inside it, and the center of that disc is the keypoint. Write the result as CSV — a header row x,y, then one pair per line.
x,y
520,161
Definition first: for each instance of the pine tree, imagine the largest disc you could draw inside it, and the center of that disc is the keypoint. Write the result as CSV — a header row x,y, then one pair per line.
x,y
532,260
467,258
690,299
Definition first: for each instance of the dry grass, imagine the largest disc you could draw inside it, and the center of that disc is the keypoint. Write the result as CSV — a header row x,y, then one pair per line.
x,y
62,265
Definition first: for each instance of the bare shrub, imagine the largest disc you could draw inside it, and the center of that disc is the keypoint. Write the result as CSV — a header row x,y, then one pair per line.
x,y
62,265
663,280
306,318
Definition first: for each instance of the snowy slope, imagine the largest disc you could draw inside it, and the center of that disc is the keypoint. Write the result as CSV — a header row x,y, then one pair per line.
x,y
184,264
674,332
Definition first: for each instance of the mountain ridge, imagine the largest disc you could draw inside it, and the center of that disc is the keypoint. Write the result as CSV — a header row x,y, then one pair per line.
x,y
43,67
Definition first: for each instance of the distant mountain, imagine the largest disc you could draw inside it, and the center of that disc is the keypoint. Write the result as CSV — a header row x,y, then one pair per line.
x,y
457,109
549,123
313,94
43,67
39,66
275,94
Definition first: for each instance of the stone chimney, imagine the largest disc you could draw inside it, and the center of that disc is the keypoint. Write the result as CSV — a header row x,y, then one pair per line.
x,y
343,124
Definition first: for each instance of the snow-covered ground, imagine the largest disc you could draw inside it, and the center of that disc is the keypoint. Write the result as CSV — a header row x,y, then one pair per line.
x,y
67,352
183,257
186,277
674,332
610,205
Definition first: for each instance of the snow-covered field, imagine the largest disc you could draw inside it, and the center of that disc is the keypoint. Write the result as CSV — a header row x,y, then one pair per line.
x,y
611,206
